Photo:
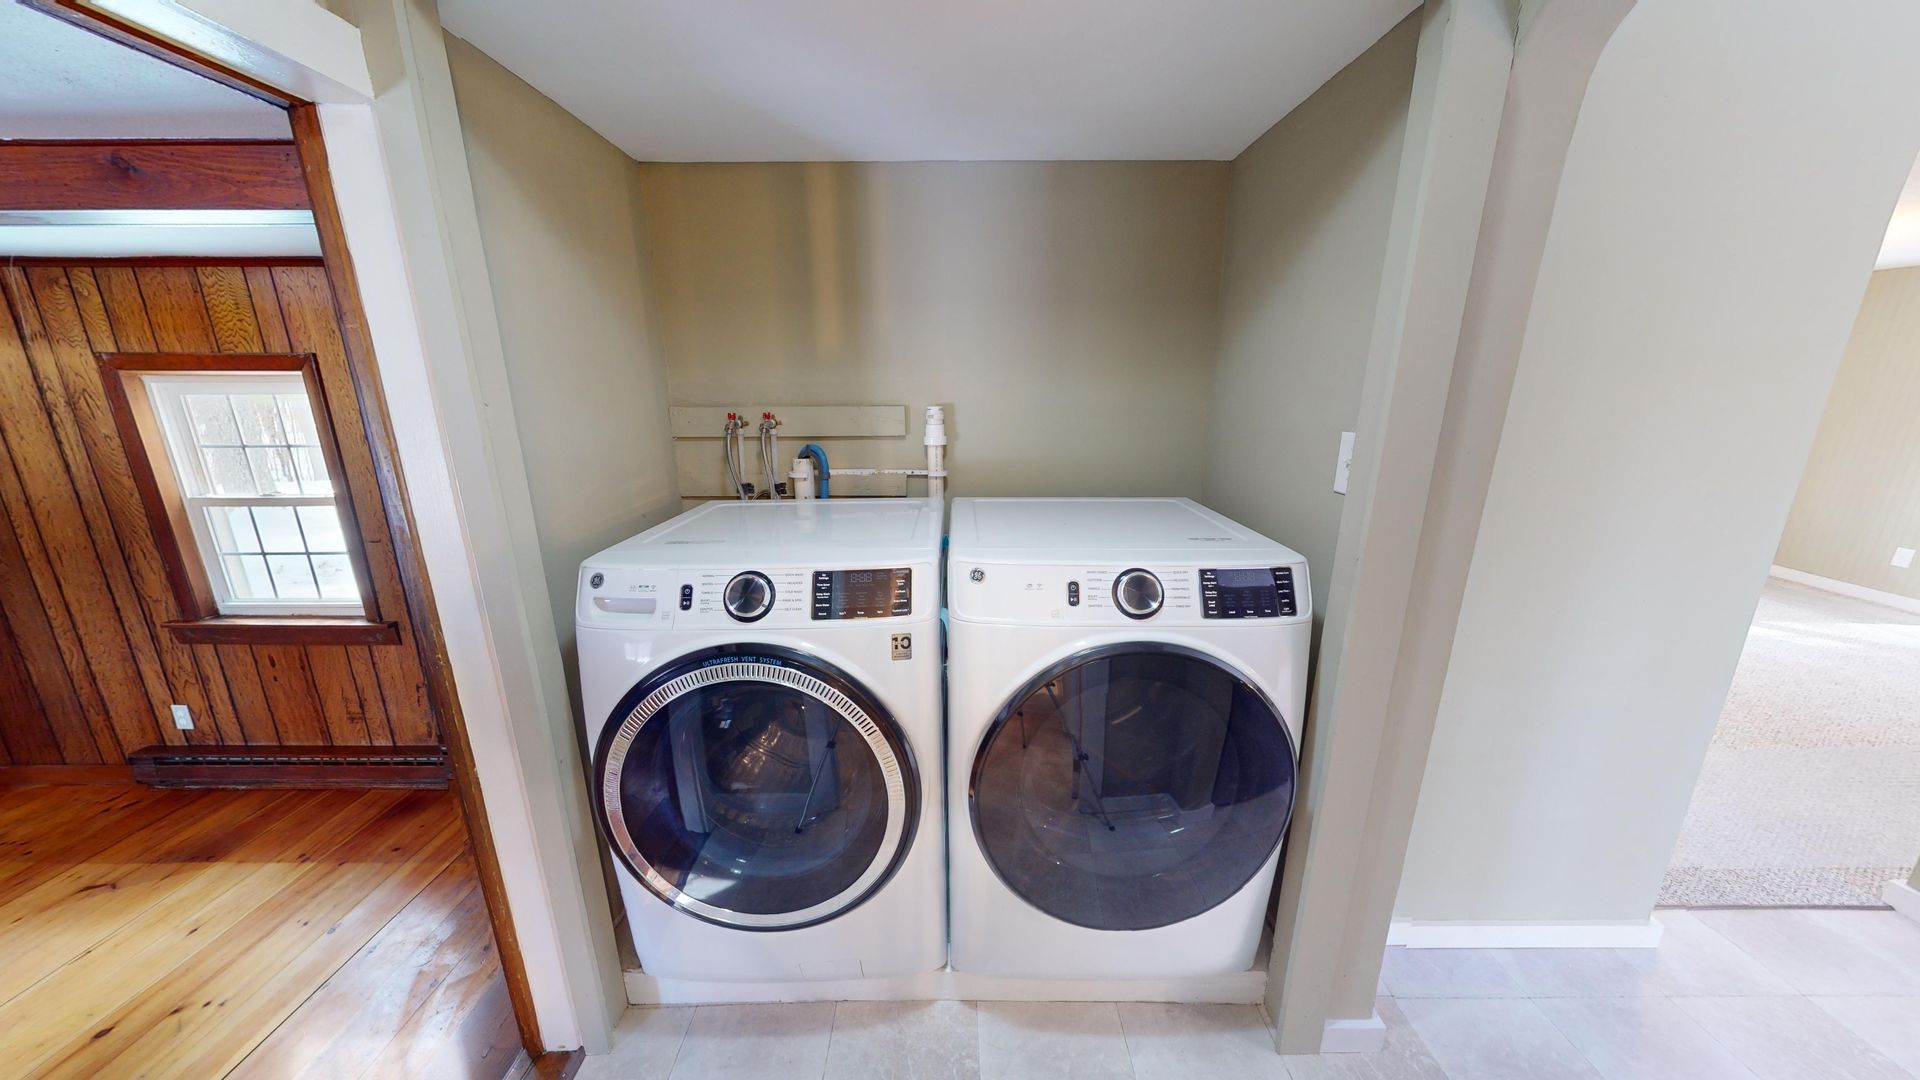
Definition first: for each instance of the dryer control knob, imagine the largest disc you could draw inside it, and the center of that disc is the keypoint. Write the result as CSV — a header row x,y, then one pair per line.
x,y
749,596
1137,593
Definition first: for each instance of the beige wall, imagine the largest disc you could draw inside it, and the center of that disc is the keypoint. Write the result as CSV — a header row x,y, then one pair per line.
x,y
1064,312
1307,217
564,254
1727,185
1860,496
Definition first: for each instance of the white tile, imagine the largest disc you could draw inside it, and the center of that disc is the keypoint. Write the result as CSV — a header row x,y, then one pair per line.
x,y
1404,1057
751,1042
1495,1039
1789,1038
1692,960
1890,1024
1828,952
1642,1038
1479,973
1052,1040
1220,1042
645,1042
926,1040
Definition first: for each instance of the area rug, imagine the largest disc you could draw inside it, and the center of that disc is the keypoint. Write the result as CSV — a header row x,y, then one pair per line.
x,y
1810,796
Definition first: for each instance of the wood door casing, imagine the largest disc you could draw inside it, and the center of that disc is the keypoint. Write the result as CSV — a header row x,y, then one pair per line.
x,y
82,586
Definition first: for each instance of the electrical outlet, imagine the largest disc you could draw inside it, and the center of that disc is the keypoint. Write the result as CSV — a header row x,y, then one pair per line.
x,y
183,718
1903,557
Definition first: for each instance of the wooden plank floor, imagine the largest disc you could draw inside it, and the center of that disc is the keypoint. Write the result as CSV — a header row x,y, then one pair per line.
x,y
257,934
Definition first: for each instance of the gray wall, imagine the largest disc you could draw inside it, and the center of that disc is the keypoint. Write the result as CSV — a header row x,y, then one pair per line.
x,y
1307,216
1860,496
564,253
1065,312
1731,173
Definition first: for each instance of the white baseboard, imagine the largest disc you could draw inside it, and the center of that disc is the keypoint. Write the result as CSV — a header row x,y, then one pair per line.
x,y
1902,898
1846,588
1237,988
1354,1036
1420,934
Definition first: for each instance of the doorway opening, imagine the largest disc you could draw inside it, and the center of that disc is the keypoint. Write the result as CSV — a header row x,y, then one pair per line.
x,y
1810,795
237,830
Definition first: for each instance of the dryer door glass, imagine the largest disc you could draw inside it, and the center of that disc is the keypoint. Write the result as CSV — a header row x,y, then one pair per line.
x,y
755,788
1133,786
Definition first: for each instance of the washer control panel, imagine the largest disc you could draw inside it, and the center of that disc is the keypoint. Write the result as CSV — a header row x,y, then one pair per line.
x,y
761,596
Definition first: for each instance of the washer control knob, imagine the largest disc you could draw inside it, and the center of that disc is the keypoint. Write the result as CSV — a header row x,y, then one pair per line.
x,y
749,596
1137,593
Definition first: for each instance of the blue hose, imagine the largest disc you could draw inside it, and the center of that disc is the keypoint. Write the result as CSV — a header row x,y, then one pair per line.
x,y
819,456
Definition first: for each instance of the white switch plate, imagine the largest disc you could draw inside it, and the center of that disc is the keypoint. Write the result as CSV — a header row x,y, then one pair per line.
x,y
183,718
1345,463
1903,557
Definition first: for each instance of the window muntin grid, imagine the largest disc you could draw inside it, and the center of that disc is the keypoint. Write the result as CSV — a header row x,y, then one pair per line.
x,y
247,452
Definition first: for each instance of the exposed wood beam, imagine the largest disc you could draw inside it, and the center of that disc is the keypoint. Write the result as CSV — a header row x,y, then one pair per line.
x,y
164,174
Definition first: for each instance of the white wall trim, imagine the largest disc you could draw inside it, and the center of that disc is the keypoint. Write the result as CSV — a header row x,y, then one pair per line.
x,y
1422,934
1354,1036
1903,898
1845,588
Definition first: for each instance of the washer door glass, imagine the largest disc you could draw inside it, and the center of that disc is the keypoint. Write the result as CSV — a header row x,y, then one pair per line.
x,y
1133,786
755,788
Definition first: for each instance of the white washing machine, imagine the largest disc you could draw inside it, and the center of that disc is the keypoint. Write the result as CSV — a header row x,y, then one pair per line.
x,y
762,687
1127,678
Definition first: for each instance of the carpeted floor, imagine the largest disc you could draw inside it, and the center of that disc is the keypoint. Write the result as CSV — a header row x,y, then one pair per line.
x,y
1811,792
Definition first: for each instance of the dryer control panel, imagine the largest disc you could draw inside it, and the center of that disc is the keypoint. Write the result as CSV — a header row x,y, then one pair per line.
x,y
1049,593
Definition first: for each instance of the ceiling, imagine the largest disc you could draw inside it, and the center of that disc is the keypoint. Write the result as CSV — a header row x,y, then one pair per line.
x,y
882,80
60,82
1902,244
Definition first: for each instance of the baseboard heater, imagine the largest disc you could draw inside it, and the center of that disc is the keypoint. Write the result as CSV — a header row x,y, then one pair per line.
x,y
291,767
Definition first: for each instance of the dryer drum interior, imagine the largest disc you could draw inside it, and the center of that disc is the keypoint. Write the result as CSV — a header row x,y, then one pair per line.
x,y
1133,786
756,788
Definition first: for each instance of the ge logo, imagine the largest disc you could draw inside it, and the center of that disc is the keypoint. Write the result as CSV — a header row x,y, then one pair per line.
x,y
977,575
597,580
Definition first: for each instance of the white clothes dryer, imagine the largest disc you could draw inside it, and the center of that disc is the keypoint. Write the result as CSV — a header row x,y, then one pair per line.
x,y
1127,678
762,689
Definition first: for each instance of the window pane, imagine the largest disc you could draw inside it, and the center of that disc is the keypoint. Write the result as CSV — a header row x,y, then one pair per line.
x,y
273,471
232,529
292,576
312,470
259,417
212,419
247,577
279,531
227,471
322,527
336,577
297,415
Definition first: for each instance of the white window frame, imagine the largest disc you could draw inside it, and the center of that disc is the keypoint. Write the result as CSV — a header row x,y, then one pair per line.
x,y
166,393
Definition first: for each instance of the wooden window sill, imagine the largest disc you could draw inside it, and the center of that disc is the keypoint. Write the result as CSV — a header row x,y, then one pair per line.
x,y
283,630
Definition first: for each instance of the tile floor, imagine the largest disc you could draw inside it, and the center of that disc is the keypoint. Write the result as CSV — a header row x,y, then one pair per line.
x,y
1774,995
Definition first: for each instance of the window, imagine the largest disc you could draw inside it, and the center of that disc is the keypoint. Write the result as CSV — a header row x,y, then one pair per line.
x,y
236,462
253,475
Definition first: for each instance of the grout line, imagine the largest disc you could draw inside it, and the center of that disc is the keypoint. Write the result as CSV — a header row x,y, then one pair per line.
x,y
833,1027
681,1045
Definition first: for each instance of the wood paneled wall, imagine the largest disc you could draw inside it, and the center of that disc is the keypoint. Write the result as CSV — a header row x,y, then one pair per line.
x,y
87,672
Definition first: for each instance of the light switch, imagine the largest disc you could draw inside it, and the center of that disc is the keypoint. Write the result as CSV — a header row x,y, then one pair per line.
x,y
1344,465
1903,557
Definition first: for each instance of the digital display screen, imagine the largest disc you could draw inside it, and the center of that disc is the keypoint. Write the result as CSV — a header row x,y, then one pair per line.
x,y
1258,592
862,594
